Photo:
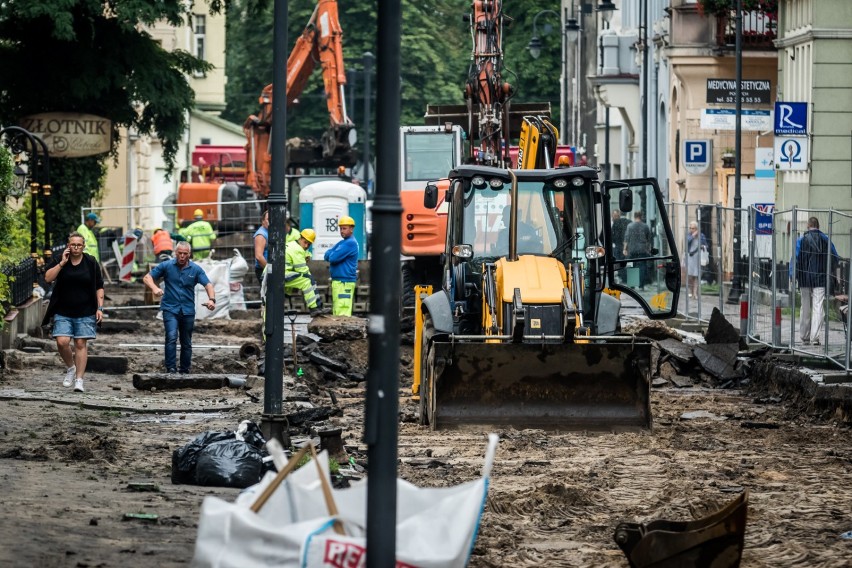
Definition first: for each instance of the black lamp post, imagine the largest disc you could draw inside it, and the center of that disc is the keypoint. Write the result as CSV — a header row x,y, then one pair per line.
x,y
37,170
534,48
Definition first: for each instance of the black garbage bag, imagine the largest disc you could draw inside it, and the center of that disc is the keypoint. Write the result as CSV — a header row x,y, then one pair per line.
x,y
254,436
229,463
184,459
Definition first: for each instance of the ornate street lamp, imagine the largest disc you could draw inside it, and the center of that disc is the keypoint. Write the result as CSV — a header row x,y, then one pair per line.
x,y
606,8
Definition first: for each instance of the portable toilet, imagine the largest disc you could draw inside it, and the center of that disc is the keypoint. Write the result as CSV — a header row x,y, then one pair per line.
x,y
321,204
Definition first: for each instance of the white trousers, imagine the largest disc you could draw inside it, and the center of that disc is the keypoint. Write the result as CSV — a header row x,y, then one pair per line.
x,y
813,300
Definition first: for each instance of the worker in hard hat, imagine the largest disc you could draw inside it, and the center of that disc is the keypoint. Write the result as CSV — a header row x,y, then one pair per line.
x,y
291,233
343,266
297,275
163,244
87,230
199,234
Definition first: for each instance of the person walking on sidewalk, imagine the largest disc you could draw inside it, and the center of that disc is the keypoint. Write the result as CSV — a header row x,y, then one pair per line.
x,y
637,244
619,227
180,276
297,275
812,274
343,267
694,248
76,306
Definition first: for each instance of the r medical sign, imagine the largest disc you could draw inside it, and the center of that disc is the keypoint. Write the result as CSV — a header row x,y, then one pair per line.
x,y
696,156
791,119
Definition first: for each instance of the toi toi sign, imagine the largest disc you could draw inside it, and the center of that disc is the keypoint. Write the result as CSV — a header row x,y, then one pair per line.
x,y
70,134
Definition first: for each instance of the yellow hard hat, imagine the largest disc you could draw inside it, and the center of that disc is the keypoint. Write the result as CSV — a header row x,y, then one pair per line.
x,y
346,221
198,213
309,235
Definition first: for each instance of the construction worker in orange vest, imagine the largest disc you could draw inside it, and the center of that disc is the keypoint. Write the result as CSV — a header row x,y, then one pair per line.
x,y
163,245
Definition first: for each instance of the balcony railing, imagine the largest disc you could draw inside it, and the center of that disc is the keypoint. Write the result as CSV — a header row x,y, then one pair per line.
x,y
759,30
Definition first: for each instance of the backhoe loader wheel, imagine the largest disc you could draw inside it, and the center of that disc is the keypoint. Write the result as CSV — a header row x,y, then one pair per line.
x,y
425,374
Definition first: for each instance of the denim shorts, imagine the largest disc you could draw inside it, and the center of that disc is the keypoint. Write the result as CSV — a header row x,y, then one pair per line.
x,y
78,328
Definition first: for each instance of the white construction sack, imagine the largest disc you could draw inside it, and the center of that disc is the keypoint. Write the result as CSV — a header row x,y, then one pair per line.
x,y
291,526
238,270
218,271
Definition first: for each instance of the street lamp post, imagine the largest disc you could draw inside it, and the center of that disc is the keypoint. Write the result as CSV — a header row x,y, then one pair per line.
x,y
534,47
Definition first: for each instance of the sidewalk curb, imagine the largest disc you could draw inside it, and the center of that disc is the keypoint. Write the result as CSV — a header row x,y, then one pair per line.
x,y
806,386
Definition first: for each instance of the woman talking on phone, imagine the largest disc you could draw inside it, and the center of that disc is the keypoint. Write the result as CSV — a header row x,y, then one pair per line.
x,y
76,306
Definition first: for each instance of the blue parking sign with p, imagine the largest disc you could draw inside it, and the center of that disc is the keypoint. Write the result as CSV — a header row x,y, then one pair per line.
x,y
696,155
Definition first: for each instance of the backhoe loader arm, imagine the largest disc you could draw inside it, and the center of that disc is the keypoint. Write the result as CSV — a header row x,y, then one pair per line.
x,y
485,92
321,41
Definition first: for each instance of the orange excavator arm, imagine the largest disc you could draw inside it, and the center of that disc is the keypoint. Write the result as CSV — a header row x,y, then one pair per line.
x,y
321,41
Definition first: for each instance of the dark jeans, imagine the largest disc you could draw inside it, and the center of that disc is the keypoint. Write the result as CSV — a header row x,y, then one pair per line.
x,y
258,272
178,325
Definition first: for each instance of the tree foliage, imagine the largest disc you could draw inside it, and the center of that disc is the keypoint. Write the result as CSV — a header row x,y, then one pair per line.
x,y
94,56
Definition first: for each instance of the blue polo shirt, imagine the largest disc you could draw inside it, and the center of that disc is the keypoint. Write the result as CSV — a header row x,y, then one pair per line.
x,y
179,297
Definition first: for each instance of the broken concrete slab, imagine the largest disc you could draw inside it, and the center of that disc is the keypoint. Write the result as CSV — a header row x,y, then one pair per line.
x,y
681,382
318,358
659,382
719,359
331,328
720,330
653,329
166,381
677,349
107,364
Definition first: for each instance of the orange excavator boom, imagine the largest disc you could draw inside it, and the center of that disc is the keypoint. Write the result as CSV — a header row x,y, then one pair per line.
x,y
321,41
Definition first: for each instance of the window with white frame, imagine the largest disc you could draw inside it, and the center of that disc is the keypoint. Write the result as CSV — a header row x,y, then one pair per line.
x,y
200,30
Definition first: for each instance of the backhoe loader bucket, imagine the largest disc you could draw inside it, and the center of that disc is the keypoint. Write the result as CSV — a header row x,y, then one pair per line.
x,y
580,386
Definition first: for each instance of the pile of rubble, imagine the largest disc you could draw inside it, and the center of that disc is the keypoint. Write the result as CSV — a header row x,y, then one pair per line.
x,y
681,360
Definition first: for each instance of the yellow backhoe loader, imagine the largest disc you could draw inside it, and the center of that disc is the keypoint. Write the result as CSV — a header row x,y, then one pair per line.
x,y
524,330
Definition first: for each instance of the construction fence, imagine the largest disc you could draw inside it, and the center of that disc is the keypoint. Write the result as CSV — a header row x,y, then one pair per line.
x,y
806,314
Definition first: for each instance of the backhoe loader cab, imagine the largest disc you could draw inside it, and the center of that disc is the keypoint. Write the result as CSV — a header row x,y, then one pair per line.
x,y
524,329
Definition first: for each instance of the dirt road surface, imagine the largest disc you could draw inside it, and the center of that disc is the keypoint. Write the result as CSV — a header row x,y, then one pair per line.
x,y
71,463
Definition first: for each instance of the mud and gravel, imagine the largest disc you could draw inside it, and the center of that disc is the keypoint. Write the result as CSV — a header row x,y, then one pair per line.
x,y
70,462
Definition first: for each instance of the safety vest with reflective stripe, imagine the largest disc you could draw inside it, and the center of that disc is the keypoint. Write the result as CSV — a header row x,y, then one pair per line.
x,y
199,234
91,240
293,235
295,261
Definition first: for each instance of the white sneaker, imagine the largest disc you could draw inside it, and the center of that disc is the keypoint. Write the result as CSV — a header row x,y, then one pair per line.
x,y
78,385
70,373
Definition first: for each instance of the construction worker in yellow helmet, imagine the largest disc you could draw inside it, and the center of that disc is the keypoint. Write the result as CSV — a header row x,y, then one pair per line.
x,y
200,235
343,266
297,275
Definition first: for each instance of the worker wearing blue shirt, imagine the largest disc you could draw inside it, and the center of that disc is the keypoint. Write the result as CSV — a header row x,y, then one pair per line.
x,y
343,266
178,304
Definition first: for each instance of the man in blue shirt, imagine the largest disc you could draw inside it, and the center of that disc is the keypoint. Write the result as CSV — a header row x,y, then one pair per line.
x,y
178,304
343,266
